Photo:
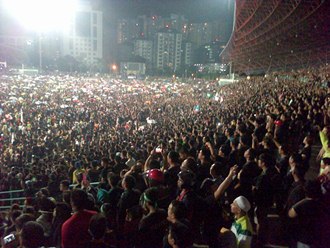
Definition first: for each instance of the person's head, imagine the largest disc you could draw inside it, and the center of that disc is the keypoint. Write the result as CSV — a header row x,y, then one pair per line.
x,y
43,192
295,160
224,151
229,132
64,185
32,235
14,215
97,226
176,211
313,189
66,197
186,179
155,177
104,162
29,210
325,165
308,140
189,164
94,164
78,199
128,182
204,154
265,161
216,169
184,153
173,157
240,206
283,150
123,154
78,165
177,235
149,199
62,211
21,220
113,179
46,206
250,154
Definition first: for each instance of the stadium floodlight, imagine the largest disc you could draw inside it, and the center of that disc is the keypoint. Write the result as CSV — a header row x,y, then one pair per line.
x,y
42,15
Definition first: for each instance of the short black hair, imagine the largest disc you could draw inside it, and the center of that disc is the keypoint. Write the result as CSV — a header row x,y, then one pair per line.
x,y
267,159
65,183
32,235
174,156
22,219
179,209
129,181
97,226
297,158
113,178
79,198
313,189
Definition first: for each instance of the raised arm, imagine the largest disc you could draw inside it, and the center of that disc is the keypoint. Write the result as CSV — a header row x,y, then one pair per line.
x,y
225,184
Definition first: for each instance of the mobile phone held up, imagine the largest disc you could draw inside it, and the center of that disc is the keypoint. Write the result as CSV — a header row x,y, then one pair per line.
x,y
9,238
159,150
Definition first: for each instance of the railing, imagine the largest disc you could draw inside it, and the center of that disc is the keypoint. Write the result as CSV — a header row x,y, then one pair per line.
x,y
20,199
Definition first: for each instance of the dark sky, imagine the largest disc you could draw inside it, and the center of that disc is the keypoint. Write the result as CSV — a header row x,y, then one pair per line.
x,y
194,10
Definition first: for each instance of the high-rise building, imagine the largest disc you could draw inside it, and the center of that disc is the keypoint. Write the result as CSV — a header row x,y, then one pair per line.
x,y
143,48
203,33
168,44
187,54
84,40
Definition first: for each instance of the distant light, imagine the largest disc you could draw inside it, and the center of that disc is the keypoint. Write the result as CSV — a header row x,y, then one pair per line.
x,y
114,67
42,15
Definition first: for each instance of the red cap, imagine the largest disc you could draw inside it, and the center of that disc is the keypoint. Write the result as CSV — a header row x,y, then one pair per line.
x,y
156,174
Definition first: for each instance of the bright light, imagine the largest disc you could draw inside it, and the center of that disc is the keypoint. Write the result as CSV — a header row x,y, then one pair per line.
x,y
114,67
42,15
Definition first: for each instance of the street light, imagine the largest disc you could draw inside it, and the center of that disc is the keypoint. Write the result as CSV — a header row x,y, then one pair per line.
x,y
42,16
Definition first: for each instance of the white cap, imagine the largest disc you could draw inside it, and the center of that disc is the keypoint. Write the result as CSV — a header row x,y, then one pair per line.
x,y
243,203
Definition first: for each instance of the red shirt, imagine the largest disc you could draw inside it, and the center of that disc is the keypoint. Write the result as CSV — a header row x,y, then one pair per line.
x,y
75,229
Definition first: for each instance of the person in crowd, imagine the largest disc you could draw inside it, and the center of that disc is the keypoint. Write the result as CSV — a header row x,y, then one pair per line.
x,y
325,137
46,208
153,224
52,128
307,213
75,230
242,227
264,192
32,235
176,215
97,229
62,213
129,198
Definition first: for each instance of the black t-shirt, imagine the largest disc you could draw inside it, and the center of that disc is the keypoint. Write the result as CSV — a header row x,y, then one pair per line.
x,y
171,177
152,229
94,175
308,218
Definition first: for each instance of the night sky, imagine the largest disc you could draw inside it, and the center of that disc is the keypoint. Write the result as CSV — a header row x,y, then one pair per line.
x,y
194,10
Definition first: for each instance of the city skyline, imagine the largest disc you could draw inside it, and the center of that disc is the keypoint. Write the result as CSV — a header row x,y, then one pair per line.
x,y
129,21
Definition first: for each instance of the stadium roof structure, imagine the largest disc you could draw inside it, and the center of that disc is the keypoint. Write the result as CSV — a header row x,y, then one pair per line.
x,y
273,35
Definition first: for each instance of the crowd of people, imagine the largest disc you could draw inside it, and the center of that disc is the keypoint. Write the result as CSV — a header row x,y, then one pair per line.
x,y
107,162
